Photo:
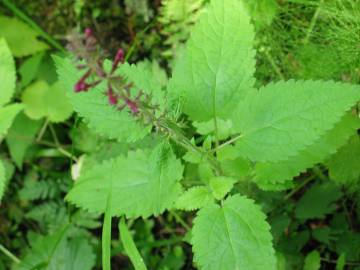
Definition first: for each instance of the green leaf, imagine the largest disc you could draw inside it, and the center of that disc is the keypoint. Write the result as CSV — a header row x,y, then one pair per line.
x,y
344,165
94,107
20,136
21,38
341,261
312,261
318,201
42,100
194,198
145,183
224,128
233,236
7,73
2,179
143,80
284,118
7,115
130,246
219,64
221,186
30,68
274,173
57,251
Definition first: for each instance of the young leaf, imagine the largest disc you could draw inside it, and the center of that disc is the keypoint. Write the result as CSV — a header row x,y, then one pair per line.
x,y
270,173
20,136
145,183
7,115
312,261
130,246
284,118
233,236
7,73
221,186
219,64
94,107
344,165
194,198
21,38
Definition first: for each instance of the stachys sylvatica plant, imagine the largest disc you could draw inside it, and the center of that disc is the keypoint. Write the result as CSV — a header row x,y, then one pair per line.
x,y
211,116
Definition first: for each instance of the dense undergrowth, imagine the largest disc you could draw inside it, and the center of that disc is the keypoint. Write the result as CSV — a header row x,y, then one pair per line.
x,y
313,212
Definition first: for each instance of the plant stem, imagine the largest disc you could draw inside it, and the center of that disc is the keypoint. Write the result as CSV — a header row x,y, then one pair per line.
x,y
181,221
33,25
318,172
9,254
300,186
59,148
334,262
274,65
226,143
42,130
313,22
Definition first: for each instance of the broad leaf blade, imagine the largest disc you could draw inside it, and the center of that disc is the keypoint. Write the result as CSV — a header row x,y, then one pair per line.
x,y
284,118
344,165
219,63
7,115
20,136
233,236
57,251
7,73
279,172
22,39
145,183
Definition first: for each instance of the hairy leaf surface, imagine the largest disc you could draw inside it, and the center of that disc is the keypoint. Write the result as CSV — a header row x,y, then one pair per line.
x,y
94,107
284,118
144,183
233,236
219,63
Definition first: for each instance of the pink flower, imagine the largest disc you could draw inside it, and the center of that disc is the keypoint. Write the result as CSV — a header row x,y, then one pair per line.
x,y
119,58
88,32
80,86
112,97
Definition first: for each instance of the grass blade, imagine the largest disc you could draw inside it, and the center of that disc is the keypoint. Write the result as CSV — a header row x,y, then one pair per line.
x,y
130,246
